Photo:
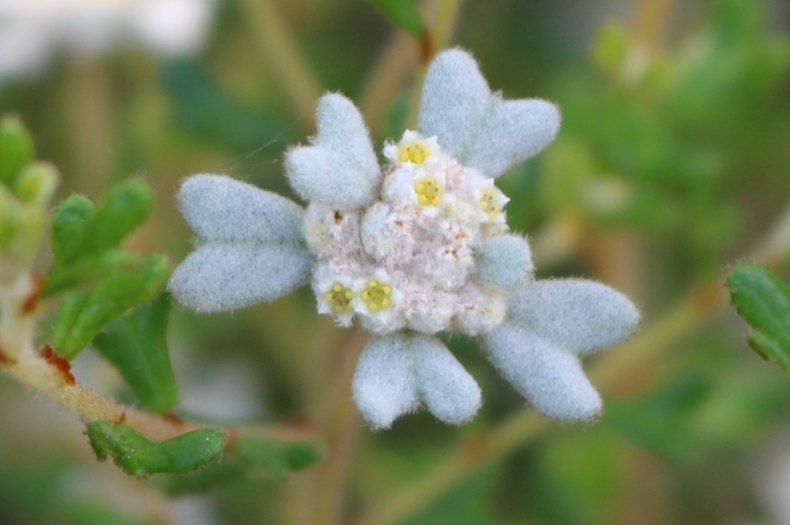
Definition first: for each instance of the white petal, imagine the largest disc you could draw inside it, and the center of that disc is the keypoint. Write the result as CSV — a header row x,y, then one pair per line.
x,y
220,208
511,132
340,168
446,388
504,262
384,384
582,316
219,277
455,97
550,377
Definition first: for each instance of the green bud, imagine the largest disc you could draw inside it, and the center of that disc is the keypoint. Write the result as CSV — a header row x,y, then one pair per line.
x,y
36,183
16,149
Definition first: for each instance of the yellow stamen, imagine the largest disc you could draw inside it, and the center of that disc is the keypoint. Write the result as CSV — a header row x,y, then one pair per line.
x,y
376,296
415,153
340,299
428,192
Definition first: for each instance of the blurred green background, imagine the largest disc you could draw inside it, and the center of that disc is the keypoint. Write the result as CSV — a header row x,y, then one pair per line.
x,y
673,163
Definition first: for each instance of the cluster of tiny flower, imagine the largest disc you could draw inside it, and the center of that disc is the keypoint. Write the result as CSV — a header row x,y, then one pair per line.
x,y
407,260
418,248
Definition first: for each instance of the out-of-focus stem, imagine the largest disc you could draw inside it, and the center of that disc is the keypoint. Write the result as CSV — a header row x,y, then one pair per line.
x,y
281,50
402,55
90,127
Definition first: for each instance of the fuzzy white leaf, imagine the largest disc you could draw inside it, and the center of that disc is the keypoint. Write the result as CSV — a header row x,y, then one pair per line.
x,y
383,385
550,377
479,128
219,277
340,168
397,373
581,316
455,98
504,262
219,208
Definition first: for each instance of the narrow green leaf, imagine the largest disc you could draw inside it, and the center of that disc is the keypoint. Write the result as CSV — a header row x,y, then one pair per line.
x,y
274,456
86,270
138,456
112,298
126,207
763,300
69,223
16,149
136,345
404,14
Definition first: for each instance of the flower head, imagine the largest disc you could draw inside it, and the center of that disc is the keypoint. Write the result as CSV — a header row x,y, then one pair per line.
x,y
416,248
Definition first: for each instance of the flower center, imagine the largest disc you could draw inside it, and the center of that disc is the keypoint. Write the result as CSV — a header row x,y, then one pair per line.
x,y
340,299
415,153
376,295
428,191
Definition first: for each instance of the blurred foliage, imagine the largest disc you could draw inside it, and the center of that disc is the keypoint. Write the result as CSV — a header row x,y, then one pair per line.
x,y
674,148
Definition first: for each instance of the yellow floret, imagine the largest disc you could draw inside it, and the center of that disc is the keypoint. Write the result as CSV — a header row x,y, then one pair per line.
x,y
340,299
428,192
376,296
487,203
415,153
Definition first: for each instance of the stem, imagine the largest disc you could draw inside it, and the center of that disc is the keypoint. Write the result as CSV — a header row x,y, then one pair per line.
x,y
281,50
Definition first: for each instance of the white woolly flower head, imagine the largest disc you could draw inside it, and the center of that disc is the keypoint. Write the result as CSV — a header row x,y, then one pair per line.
x,y
416,247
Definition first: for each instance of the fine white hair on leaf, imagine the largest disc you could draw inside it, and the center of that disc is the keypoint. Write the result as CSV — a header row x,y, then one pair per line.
x,y
220,208
398,373
251,246
481,129
504,262
220,277
340,168
579,315
549,376
455,98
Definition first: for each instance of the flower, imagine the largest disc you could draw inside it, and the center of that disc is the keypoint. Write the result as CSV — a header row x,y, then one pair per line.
x,y
417,248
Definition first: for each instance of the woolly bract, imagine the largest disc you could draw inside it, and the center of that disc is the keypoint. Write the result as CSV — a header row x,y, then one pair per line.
x,y
419,247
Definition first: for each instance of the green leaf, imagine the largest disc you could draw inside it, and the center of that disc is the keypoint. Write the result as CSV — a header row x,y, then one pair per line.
x,y
214,474
138,456
127,206
275,456
36,183
16,149
69,223
137,346
763,300
86,270
85,314
404,14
